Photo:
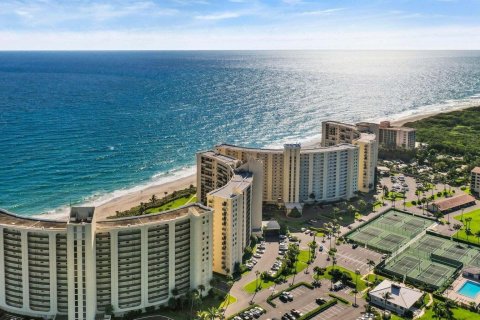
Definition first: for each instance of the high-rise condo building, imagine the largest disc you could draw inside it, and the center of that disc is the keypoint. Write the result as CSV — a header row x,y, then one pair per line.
x,y
81,267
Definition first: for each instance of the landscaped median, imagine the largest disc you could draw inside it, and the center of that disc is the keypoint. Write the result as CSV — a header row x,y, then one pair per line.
x,y
318,309
342,300
361,284
264,283
273,297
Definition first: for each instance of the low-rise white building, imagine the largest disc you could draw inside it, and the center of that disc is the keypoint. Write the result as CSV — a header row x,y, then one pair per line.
x,y
395,297
475,180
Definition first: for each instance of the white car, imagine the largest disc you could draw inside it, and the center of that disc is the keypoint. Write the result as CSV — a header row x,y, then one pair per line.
x,y
302,229
257,255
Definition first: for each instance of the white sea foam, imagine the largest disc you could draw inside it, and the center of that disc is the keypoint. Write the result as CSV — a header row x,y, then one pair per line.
x,y
446,106
97,199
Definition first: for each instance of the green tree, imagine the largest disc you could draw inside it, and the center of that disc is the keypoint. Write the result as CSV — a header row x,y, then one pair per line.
x,y
385,296
457,227
153,199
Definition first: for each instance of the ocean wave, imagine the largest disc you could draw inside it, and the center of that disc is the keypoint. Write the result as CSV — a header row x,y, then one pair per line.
x,y
444,106
99,198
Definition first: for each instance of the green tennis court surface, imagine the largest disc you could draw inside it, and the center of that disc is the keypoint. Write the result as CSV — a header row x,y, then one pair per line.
x,y
390,231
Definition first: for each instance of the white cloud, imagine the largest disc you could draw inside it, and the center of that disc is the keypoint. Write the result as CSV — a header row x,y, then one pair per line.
x,y
453,37
325,12
219,16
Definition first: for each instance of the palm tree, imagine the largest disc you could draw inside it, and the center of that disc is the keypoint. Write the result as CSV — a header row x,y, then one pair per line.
x,y
141,210
194,297
153,199
362,205
201,289
438,310
467,226
213,313
203,315
477,235
457,227
336,211
385,296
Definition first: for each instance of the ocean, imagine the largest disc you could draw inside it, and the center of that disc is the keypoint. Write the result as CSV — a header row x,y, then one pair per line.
x,y
80,127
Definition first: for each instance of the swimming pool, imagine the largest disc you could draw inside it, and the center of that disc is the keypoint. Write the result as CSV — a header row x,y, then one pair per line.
x,y
470,289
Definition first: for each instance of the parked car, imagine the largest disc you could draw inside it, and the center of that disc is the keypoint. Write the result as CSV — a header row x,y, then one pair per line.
x,y
320,301
355,245
320,248
296,313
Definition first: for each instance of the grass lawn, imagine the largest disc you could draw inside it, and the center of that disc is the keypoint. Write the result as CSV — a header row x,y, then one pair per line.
x,y
362,285
371,277
301,265
191,198
229,300
458,314
474,226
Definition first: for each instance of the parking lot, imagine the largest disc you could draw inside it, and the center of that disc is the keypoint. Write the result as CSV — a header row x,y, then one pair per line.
x,y
409,181
304,301
332,312
357,258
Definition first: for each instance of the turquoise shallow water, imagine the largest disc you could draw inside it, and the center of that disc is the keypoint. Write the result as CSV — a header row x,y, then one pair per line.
x,y
470,289
76,126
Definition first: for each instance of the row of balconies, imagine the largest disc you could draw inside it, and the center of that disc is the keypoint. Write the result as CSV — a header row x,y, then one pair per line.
x,y
123,252
43,282
160,278
129,277
152,264
157,296
129,243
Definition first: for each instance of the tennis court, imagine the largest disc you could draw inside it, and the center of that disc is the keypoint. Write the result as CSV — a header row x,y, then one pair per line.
x,y
456,252
390,231
432,260
476,261
434,274
390,241
404,264
429,245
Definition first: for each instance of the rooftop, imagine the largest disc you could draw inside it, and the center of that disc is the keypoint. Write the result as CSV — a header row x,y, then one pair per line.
x,y
221,157
454,202
311,149
195,209
476,170
231,146
8,219
240,181
400,294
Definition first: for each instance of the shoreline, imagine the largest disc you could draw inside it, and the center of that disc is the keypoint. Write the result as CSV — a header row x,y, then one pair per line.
x,y
400,122
136,195
134,198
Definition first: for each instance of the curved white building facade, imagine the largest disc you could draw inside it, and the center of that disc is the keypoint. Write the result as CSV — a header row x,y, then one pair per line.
x,y
80,267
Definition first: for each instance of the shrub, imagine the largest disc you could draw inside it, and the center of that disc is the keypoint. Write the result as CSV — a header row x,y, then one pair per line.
x,y
342,300
294,213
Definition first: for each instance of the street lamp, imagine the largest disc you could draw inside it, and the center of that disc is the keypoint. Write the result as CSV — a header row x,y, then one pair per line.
x,y
357,272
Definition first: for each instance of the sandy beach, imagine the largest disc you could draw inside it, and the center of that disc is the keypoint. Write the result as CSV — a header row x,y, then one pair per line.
x,y
415,117
133,199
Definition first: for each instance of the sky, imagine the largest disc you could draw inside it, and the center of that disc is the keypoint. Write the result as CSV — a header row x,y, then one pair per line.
x,y
239,24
